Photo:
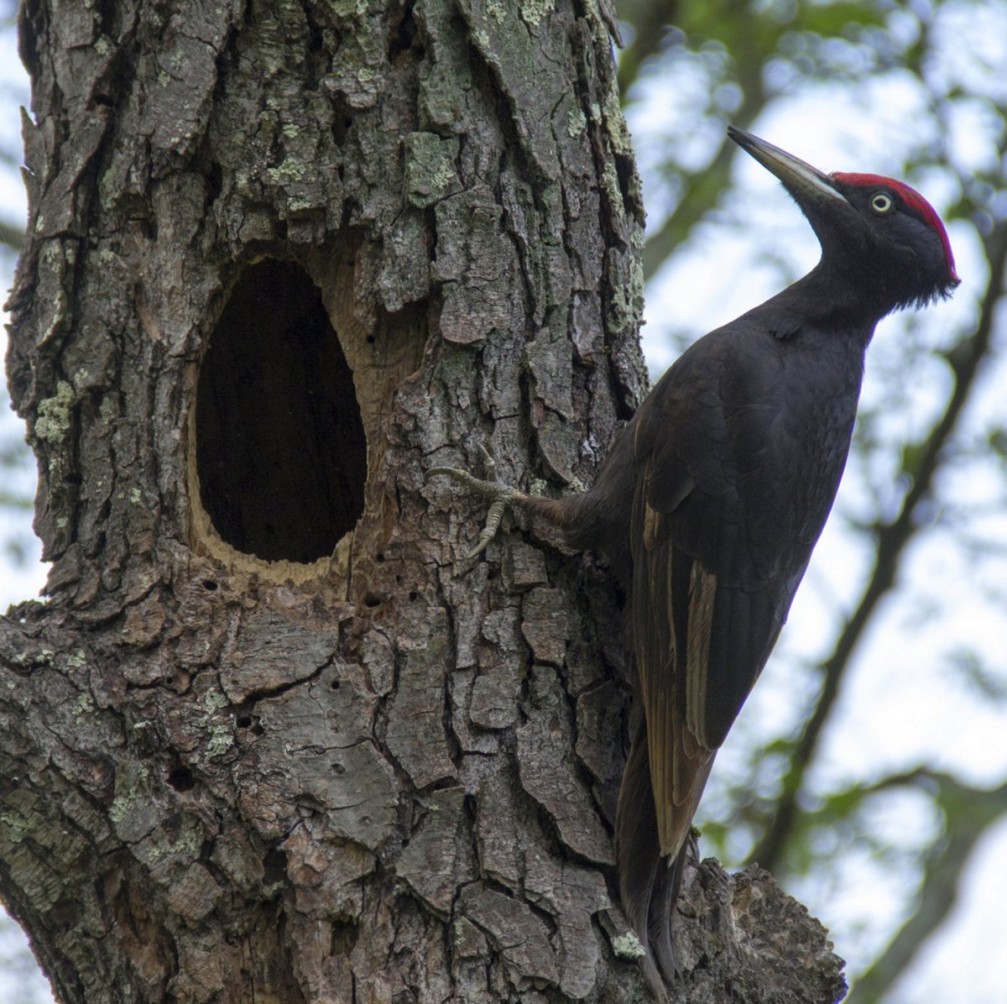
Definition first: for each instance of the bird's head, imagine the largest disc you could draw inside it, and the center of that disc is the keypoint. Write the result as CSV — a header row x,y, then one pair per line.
x,y
878,234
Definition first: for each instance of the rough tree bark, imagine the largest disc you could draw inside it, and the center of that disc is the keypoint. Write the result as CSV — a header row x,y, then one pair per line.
x,y
272,737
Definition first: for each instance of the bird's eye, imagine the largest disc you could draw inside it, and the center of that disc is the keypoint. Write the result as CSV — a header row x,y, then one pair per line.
x,y
882,202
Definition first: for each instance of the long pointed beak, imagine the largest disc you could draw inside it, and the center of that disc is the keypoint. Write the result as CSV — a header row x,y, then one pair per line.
x,y
798,177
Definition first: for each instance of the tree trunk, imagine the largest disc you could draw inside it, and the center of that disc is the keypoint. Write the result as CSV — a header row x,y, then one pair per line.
x,y
273,737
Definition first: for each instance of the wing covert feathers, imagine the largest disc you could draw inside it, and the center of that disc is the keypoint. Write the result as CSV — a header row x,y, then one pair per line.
x,y
672,673
702,594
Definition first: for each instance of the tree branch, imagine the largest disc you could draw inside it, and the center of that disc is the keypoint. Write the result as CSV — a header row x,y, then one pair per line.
x,y
969,812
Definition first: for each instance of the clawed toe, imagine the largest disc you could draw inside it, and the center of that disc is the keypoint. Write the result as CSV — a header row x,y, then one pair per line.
x,y
500,495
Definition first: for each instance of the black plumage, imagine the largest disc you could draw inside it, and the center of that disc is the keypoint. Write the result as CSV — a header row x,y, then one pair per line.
x,y
713,496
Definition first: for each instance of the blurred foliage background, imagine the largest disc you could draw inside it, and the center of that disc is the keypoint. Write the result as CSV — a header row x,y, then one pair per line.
x,y
869,770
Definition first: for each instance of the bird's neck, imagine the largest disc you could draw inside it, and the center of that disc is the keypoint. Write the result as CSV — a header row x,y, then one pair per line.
x,y
830,301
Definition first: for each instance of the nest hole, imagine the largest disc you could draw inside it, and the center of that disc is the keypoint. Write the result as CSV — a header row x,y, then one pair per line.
x,y
280,448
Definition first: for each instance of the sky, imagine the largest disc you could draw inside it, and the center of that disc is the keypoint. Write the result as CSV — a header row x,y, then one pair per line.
x,y
897,710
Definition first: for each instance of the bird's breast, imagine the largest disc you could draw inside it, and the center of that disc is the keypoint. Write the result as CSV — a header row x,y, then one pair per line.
x,y
792,442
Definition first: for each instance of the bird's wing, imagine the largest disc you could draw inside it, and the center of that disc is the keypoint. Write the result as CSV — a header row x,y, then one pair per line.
x,y
705,612
669,605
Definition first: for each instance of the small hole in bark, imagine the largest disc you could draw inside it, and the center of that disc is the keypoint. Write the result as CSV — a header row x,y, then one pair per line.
x,y
244,721
341,125
379,557
413,595
372,600
403,34
214,183
338,769
209,585
280,446
370,339
181,779
344,937
274,866
334,685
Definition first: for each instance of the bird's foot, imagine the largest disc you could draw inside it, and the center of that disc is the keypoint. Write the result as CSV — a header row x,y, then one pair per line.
x,y
500,495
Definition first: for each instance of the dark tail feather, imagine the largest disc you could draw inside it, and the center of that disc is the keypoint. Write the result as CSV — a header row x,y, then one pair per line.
x,y
636,845
662,905
647,885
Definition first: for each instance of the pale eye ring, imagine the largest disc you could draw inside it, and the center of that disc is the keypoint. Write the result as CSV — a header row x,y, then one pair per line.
x,y
882,203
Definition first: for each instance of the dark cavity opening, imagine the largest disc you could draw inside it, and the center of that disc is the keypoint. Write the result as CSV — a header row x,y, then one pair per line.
x,y
181,779
280,445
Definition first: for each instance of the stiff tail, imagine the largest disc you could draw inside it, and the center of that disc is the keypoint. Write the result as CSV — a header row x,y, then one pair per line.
x,y
648,883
